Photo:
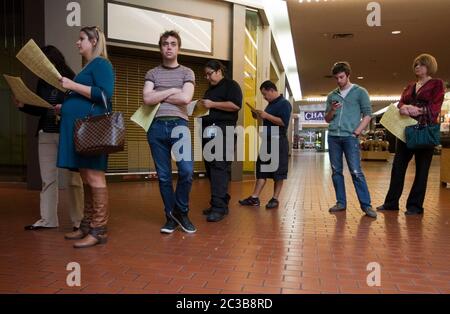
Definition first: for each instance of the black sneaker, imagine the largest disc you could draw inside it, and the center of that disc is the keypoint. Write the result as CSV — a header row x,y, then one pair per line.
x,y
384,207
370,212
273,203
170,226
413,212
207,211
183,220
250,201
337,208
215,216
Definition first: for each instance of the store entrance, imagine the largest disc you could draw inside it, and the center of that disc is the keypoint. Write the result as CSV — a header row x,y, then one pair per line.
x,y
313,139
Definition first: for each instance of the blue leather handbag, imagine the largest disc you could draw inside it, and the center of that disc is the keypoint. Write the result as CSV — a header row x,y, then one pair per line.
x,y
423,136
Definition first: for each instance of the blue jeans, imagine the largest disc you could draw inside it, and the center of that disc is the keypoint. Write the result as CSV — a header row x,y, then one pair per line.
x,y
161,143
348,145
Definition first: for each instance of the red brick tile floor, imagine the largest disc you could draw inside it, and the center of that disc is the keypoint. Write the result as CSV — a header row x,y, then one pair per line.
x,y
297,248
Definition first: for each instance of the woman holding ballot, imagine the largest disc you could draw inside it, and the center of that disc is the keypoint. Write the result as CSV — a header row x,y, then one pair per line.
x,y
421,100
224,100
48,138
95,80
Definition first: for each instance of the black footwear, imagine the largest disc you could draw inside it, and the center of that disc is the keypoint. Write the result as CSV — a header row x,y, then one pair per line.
x,y
383,207
370,212
183,220
337,208
273,203
215,216
413,212
207,211
250,201
34,228
170,226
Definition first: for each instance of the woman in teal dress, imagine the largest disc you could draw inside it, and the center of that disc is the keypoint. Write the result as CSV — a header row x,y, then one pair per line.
x,y
95,78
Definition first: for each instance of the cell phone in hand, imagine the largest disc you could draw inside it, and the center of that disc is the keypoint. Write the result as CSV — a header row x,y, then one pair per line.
x,y
336,104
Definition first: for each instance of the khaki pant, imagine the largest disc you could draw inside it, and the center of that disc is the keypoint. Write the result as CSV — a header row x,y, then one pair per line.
x,y
48,152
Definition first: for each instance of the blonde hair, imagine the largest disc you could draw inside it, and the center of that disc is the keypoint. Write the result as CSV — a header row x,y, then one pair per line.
x,y
94,32
428,61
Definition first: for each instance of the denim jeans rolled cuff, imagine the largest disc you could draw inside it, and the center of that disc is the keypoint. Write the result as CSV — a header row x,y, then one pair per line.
x,y
161,143
350,147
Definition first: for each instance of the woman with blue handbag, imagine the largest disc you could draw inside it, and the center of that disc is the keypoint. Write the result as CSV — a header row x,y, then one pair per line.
x,y
421,100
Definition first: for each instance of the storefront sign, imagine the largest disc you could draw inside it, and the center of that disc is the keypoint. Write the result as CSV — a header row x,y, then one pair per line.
x,y
314,115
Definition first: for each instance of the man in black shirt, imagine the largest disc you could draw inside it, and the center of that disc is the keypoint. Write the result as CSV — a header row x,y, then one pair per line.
x,y
276,118
224,100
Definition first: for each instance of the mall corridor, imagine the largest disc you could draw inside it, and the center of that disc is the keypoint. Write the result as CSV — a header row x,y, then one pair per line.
x,y
298,248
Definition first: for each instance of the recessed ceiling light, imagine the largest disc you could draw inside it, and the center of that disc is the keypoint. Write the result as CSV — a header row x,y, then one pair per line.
x,y
396,32
360,77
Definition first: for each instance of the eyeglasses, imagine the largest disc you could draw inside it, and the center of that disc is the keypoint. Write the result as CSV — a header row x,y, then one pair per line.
x,y
208,74
96,29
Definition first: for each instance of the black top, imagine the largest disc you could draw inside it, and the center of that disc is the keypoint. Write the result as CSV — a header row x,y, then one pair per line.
x,y
281,108
225,90
47,122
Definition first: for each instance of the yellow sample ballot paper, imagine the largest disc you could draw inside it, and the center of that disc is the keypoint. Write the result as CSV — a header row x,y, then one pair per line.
x,y
197,110
254,112
37,62
145,115
396,123
253,109
24,94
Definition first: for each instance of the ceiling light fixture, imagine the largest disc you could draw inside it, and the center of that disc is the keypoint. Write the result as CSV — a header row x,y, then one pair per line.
x,y
396,32
360,77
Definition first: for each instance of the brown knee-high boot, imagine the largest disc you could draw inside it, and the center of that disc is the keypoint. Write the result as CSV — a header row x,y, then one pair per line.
x,y
100,214
87,216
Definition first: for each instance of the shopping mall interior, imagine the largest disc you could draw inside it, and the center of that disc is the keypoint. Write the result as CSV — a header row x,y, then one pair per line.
x,y
297,248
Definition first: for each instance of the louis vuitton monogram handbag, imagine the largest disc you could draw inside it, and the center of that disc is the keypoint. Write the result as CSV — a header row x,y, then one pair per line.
x,y
100,134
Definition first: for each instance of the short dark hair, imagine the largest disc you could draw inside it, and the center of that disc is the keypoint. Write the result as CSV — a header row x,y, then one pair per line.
x,y
428,61
268,85
340,67
216,65
168,34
